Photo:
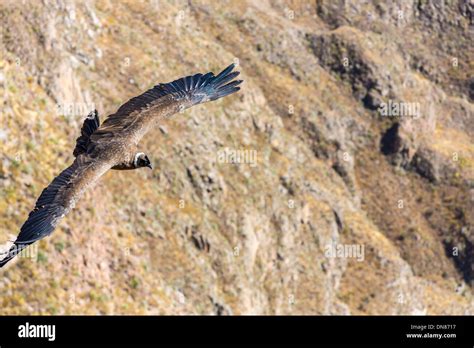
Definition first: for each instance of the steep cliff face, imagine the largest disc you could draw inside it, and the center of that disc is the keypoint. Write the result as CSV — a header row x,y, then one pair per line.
x,y
352,192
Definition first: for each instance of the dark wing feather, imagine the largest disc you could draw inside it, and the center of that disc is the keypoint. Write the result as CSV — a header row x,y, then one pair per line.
x,y
55,202
141,113
49,208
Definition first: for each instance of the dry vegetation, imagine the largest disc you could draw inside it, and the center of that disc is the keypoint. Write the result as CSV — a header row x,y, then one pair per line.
x,y
195,236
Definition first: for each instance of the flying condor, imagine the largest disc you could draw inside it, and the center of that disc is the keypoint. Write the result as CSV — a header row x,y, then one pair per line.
x,y
114,145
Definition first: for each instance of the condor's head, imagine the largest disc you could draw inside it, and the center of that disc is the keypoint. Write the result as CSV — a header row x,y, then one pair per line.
x,y
141,160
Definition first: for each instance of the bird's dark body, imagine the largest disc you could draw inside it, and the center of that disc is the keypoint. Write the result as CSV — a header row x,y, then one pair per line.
x,y
114,145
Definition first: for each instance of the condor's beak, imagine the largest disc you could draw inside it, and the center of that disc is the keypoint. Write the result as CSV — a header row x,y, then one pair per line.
x,y
149,166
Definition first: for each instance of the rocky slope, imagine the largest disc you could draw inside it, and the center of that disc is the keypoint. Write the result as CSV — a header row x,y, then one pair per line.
x,y
198,235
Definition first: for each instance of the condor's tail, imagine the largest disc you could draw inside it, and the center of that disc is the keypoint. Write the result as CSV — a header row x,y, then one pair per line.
x,y
91,123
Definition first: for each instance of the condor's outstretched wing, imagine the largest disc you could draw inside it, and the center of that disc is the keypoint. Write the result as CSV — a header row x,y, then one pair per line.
x,y
134,118
56,201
